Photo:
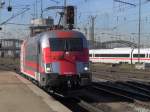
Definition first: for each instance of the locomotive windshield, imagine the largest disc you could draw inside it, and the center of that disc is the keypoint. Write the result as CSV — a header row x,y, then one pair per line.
x,y
65,44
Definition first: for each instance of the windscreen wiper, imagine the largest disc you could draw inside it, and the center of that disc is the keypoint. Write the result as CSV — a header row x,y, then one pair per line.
x,y
64,50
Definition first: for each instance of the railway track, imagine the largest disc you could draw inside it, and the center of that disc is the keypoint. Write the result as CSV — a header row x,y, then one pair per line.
x,y
137,98
124,76
140,84
74,103
87,106
140,97
130,70
138,93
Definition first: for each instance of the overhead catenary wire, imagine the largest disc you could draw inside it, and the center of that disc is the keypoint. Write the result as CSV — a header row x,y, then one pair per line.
x,y
15,15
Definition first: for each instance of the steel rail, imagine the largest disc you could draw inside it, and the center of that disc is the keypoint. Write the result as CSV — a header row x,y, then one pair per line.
x,y
122,95
146,86
114,88
114,93
141,89
89,107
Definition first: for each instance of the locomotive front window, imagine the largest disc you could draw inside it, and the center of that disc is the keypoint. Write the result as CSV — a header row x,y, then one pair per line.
x,y
65,44
57,44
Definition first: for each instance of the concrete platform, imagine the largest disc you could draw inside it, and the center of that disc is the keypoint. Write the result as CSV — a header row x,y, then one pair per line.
x,y
20,95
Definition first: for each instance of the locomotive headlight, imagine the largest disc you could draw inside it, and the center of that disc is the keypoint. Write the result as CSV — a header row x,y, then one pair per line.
x,y
48,68
86,68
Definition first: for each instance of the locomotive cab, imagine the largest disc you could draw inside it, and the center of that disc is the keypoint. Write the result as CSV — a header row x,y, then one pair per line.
x,y
67,62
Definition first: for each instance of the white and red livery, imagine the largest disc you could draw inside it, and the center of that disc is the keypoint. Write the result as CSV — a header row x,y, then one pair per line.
x,y
120,55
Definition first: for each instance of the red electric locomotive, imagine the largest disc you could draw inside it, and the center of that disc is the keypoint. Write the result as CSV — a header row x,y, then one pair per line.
x,y
56,58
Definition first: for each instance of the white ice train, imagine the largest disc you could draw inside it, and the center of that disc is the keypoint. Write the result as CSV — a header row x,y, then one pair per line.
x,y
120,55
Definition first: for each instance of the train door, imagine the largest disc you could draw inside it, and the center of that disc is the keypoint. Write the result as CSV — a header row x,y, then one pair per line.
x,y
41,77
39,61
42,74
37,55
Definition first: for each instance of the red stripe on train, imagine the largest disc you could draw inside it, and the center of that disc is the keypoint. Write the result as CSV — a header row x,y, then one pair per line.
x,y
63,34
120,58
34,65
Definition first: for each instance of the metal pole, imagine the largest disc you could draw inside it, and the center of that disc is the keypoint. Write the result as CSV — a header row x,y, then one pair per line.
x,y
65,5
41,8
139,31
36,4
93,23
92,29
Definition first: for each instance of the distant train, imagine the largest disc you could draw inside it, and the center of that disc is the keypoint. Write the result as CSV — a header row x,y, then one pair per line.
x,y
120,55
56,58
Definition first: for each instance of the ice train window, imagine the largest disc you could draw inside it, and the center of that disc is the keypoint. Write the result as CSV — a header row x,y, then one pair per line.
x,y
137,55
112,55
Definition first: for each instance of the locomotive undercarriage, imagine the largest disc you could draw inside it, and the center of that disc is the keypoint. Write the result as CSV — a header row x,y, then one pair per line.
x,y
67,81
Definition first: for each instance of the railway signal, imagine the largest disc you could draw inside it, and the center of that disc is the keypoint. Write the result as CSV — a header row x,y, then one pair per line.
x,y
9,8
70,15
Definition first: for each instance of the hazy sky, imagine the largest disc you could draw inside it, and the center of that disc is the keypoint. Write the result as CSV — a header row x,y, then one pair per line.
x,y
84,8
110,16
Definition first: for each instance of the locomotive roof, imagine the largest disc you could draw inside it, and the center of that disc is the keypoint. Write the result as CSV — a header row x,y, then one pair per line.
x,y
43,37
61,33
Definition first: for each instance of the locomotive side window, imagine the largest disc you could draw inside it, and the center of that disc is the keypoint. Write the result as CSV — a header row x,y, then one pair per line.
x,y
147,56
31,52
64,44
